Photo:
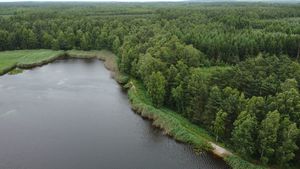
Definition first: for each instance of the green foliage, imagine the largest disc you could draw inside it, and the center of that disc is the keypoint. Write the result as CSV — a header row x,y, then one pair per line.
x,y
289,84
156,88
15,71
213,105
256,106
287,102
227,67
288,135
178,94
268,136
260,76
233,103
237,163
171,122
243,134
197,88
147,64
85,43
219,124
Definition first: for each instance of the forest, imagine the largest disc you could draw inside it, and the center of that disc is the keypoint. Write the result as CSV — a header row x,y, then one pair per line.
x,y
231,68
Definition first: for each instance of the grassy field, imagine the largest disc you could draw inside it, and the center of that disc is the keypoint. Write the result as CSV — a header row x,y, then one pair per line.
x,y
30,58
10,59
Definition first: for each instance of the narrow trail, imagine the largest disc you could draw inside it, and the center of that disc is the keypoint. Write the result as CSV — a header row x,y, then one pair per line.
x,y
219,151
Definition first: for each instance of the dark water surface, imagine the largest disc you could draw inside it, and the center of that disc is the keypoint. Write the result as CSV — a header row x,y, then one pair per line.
x,y
71,115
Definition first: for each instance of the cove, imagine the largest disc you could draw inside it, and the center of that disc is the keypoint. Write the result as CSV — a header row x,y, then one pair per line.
x,y
71,114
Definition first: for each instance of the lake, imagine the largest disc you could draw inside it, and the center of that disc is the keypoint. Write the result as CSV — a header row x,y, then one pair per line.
x,y
71,114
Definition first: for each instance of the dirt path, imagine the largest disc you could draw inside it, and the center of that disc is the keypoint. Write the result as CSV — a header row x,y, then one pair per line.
x,y
219,151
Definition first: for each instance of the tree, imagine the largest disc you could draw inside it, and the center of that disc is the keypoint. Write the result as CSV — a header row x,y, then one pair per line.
x,y
156,88
47,41
257,107
243,134
233,103
288,135
116,45
180,83
219,124
4,41
213,105
191,56
85,42
55,44
70,37
289,84
287,102
268,136
128,53
62,41
197,88
178,96
148,64
31,40
174,95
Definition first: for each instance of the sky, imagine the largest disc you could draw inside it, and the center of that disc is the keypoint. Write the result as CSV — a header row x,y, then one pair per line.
x,y
95,0
148,0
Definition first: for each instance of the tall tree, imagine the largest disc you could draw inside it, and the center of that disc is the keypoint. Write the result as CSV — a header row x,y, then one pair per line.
x,y
219,124
288,135
268,136
47,41
287,102
156,88
213,105
197,87
233,103
243,134
257,106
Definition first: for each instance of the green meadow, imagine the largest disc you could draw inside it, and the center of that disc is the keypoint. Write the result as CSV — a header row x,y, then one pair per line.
x,y
10,59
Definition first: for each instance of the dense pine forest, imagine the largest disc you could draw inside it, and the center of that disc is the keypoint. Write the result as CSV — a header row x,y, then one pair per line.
x,y
231,68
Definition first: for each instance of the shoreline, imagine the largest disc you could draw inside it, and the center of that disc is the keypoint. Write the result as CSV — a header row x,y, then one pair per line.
x,y
161,119
170,122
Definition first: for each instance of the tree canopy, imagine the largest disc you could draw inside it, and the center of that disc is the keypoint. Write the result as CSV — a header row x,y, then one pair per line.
x,y
230,68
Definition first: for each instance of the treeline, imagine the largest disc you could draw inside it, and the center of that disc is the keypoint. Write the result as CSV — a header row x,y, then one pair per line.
x,y
253,106
232,69
58,34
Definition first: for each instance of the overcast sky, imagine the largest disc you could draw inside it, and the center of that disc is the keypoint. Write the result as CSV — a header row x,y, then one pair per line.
x,y
147,0
95,0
